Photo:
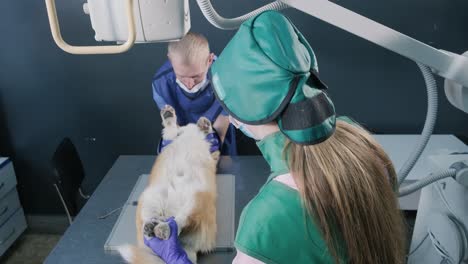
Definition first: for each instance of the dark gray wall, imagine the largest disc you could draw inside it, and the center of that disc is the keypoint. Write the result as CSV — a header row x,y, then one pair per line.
x,y
104,102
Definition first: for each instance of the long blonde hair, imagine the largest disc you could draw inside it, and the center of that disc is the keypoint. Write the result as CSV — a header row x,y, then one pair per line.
x,y
347,186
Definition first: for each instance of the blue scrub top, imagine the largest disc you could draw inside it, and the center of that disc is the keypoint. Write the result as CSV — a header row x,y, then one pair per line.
x,y
190,107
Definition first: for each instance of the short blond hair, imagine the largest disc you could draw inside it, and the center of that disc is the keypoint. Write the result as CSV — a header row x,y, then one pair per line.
x,y
192,48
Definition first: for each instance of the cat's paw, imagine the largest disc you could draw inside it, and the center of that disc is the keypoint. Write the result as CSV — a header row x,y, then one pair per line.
x,y
205,125
148,228
162,231
168,116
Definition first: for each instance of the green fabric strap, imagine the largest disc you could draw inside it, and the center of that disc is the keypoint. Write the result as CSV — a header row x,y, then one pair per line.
x,y
272,150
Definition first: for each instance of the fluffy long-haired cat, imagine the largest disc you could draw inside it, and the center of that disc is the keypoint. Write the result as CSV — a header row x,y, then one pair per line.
x,y
182,184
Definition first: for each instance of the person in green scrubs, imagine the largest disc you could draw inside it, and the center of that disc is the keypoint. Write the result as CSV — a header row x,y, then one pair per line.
x,y
330,197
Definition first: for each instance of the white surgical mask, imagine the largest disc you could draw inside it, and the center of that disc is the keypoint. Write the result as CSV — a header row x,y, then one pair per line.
x,y
198,87
246,131
241,126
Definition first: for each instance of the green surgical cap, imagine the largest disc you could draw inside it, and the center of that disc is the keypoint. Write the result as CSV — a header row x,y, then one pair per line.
x,y
267,72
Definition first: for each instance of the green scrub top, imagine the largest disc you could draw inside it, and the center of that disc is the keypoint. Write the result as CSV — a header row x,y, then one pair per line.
x,y
273,227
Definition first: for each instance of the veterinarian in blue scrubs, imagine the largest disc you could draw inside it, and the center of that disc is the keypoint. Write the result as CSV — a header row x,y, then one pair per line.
x,y
330,197
184,82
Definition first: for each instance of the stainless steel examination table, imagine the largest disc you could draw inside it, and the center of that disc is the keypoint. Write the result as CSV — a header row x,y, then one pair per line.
x,y
84,241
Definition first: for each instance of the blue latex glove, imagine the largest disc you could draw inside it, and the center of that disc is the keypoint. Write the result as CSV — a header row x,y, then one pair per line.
x,y
168,250
212,138
215,142
163,143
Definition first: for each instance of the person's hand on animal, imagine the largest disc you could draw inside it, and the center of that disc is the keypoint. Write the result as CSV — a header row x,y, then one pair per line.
x,y
215,142
169,250
163,143
212,138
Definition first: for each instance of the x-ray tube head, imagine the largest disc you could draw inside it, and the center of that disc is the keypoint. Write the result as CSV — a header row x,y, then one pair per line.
x,y
456,93
155,20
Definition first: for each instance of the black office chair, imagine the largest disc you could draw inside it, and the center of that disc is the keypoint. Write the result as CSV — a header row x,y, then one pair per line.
x,y
68,175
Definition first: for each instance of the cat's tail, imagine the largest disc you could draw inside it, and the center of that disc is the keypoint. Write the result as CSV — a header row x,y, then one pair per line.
x,y
138,255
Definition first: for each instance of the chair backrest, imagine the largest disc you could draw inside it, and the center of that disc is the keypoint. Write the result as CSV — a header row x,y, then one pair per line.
x,y
68,173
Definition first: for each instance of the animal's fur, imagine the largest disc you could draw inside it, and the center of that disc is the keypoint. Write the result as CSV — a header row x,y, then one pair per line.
x,y
182,184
